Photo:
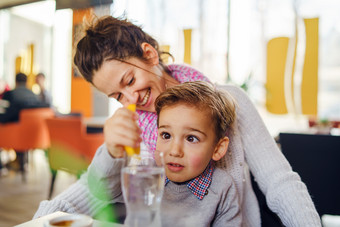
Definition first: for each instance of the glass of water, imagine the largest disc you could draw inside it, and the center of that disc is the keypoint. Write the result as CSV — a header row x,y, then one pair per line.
x,y
142,186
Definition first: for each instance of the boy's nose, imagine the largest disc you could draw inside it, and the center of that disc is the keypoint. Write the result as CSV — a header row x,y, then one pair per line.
x,y
176,150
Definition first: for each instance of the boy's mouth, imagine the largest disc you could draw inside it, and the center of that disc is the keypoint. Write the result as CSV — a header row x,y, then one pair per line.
x,y
174,166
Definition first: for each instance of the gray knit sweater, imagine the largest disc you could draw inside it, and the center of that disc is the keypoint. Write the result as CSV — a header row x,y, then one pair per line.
x,y
251,146
220,207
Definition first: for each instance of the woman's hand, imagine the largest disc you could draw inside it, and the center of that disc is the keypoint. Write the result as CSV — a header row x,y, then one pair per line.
x,y
121,130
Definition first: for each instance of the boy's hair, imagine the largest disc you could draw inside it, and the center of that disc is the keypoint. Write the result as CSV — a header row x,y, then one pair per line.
x,y
205,97
109,38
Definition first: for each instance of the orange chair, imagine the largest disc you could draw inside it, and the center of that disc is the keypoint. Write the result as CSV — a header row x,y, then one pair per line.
x,y
30,132
72,149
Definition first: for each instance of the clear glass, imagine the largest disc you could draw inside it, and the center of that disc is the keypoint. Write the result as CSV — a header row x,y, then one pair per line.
x,y
142,186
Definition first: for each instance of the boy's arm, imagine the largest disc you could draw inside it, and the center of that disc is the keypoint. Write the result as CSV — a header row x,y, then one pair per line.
x,y
228,212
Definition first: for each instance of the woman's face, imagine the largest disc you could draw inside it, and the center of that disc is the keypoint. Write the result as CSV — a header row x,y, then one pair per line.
x,y
133,81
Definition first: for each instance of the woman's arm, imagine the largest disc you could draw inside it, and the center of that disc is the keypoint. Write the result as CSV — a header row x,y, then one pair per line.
x,y
78,197
285,193
104,176
75,199
101,185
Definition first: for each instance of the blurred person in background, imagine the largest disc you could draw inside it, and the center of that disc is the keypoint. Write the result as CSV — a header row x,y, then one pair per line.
x,y
44,95
3,88
17,99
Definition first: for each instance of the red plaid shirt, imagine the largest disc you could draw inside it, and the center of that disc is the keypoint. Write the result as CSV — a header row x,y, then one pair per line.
x,y
200,184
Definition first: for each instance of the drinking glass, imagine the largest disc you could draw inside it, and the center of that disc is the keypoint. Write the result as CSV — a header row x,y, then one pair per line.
x,y
142,186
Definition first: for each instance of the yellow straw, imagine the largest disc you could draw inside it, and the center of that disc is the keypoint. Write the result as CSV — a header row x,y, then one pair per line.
x,y
130,150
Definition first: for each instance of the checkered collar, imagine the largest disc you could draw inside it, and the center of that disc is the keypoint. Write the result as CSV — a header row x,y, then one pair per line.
x,y
200,184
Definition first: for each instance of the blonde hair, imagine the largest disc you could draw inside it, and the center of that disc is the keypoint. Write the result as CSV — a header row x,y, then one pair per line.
x,y
204,96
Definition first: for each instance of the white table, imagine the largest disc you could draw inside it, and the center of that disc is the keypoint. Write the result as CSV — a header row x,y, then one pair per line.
x,y
330,220
95,121
39,222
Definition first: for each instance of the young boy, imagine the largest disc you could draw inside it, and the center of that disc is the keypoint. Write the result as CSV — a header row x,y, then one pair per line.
x,y
193,119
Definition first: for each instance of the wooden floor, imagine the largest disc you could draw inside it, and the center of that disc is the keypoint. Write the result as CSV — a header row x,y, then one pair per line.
x,y
18,200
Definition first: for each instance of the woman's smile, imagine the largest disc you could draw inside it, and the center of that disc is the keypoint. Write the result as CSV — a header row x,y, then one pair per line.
x,y
146,97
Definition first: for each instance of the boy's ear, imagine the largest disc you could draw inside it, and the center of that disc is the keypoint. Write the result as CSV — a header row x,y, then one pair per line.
x,y
220,149
150,53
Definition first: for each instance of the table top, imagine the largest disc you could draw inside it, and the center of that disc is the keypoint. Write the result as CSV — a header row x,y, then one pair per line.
x,y
39,222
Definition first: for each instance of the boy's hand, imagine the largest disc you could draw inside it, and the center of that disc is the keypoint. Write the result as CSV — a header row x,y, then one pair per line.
x,y
121,130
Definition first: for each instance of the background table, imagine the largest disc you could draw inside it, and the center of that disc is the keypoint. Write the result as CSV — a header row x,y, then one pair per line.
x,y
95,124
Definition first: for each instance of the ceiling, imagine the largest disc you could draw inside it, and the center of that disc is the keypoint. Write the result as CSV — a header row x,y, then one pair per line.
x,y
60,4
40,12
11,3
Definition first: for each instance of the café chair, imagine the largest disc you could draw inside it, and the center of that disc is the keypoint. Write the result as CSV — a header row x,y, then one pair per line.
x,y
316,159
71,149
29,133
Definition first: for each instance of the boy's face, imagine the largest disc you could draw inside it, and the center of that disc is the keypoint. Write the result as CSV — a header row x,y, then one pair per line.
x,y
186,137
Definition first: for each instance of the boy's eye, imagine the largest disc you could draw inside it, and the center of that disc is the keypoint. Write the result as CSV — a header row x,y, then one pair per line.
x,y
192,139
165,135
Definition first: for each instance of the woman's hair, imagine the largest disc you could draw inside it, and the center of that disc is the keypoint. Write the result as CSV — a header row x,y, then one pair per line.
x,y
109,38
204,97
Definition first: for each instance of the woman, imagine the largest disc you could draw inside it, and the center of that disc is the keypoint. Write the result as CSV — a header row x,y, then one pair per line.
x,y
124,63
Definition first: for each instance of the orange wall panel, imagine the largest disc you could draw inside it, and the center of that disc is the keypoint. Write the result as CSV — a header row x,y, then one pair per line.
x,y
81,92
81,97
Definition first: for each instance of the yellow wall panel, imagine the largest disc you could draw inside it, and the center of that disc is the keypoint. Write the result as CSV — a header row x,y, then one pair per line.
x,y
187,45
30,75
18,61
309,85
276,62
165,49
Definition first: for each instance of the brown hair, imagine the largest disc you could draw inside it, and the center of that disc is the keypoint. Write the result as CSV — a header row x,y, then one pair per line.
x,y
203,96
109,38
21,78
